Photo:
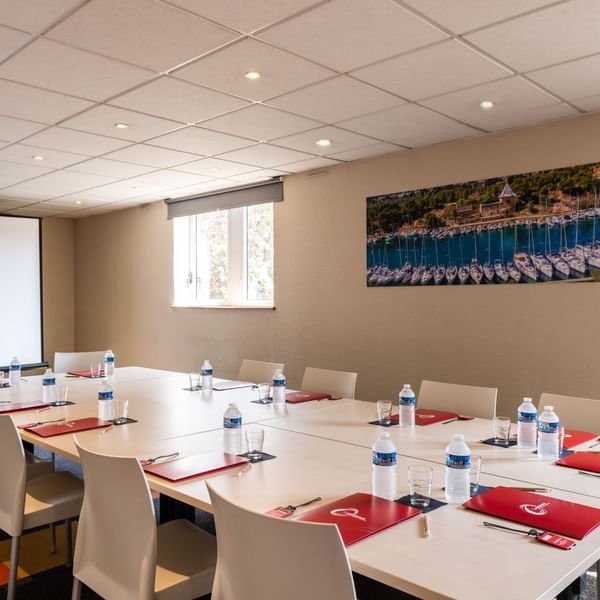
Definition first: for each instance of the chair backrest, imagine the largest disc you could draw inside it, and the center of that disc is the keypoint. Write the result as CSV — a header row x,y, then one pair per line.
x,y
469,400
76,361
257,371
13,477
115,553
336,383
267,557
581,414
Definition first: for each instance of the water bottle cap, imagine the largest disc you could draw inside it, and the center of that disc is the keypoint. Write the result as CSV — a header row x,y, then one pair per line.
x,y
458,436
549,408
527,399
109,350
407,385
384,435
232,404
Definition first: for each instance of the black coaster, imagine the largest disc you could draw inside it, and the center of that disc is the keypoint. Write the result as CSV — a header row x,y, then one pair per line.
x,y
63,404
381,424
5,384
263,456
492,442
564,452
433,503
113,421
193,389
269,401
481,489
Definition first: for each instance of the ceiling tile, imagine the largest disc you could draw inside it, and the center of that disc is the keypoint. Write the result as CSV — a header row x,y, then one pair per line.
x,y
247,16
339,138
308,165
102,120
11,173
366,152
281,72
215,167
265,155
22,153
11,40
565,31
590,103
37,210
26,102
67,70
432,71
515,102
260,123
6,204
335,100
200,141
142,32
141,154
119,190
408,125
261,175
61,182
576,79
178,100
59,138
171,179
110,168
12,130
347,34
461,16
35,17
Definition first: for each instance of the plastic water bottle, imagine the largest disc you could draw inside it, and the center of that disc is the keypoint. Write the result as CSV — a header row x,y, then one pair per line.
x,y
384,467
407,406
458,465
106,402
548,433
206,373
232,429
526,424
49,391
278,387
109,364
14,371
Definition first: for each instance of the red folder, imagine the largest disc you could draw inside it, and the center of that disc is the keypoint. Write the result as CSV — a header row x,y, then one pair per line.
x,y
17,406
586,461
195,466
87,373
297,397
574,438
426,416
52,429
360,515
539,511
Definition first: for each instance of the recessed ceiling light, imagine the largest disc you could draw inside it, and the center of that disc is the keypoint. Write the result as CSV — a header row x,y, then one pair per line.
x,y
78,202
252,75
37,157
135,187
215,169
486,104
323,142
121,125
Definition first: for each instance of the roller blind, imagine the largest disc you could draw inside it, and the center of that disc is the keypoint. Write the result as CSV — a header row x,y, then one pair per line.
x,y
233,197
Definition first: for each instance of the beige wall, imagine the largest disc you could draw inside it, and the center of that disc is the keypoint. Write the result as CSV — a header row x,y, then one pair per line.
x,y
524,339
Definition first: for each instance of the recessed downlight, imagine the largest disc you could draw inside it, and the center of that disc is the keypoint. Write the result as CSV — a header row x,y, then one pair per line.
x,y
252,75
323,142
121,125
78,202
486,104
135,187
37,157
215,169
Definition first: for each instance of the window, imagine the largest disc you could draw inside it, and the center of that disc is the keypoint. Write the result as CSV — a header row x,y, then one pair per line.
x,y
224,257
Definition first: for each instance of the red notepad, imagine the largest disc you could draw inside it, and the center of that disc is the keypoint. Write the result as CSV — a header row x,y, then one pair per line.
x,y
537,510
586,461
360,515
426,416
87,373
574,438
17,406
52,429
195,466
297,397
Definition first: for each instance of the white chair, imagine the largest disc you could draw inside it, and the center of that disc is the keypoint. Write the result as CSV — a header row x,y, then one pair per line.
x,y
25,504
76,361
336,383
120,553
469,400
257,371
581,414
262,557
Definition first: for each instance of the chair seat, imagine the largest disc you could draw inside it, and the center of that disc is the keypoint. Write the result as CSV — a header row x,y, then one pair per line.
x,y
52,497
185,561
37,466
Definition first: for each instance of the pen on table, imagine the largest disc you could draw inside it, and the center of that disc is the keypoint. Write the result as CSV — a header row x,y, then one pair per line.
x,y
426,526
594,445
532,489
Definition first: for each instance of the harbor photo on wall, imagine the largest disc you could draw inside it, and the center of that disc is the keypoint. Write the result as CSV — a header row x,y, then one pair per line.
x,y
527,228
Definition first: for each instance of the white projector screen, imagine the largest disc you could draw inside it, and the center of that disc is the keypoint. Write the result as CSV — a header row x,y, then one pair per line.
x,y
20,290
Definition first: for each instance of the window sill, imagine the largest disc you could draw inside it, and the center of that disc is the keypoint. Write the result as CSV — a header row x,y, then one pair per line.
x,y
225,306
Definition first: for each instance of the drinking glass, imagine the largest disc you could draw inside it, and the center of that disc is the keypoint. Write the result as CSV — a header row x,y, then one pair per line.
x,y
501,427
62,395
384,411
254,440
419,482
121,410
194,381
264,393
475,473
95,370
561,440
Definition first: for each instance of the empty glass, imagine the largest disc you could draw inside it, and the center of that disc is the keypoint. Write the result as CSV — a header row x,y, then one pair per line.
x,y
194,381
384,411
561,440
96,370
121,410
254,441
475,472
62,395
419,482
264,393
501,427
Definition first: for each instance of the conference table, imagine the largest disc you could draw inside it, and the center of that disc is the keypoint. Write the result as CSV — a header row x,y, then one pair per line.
x,y
322,448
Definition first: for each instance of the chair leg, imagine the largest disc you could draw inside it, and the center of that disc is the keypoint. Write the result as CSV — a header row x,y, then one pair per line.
x,y
14,565
69,538
52,529
76,593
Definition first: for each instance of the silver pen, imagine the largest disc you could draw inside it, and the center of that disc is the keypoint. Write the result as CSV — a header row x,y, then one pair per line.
x,y
426,525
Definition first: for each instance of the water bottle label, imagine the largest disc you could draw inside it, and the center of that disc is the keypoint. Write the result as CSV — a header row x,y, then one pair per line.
x,y
206,372
548,427
527,417
232,422
407,400
384,459
49,381
458,461
15,367
108,395
278,382
109,359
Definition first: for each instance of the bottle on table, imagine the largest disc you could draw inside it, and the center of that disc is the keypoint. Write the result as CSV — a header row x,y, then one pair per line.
x,y
526,424
458,465
106,401
278,384
109,364
206,374
408,402
232,430
49,389
384,467
548,434
14,371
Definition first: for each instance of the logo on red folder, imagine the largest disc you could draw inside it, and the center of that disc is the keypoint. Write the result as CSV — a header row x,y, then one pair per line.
x,y
353,513
537,510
